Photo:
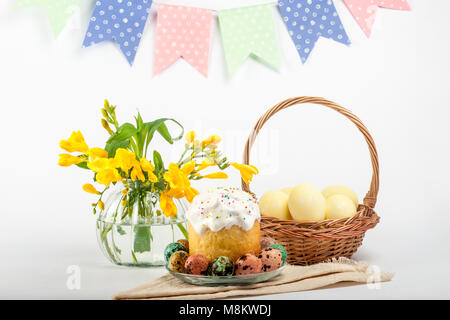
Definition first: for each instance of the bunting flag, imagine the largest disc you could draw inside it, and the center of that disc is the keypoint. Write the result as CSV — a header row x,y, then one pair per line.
x,y
249,31
58,11
185,32
120,20
182,32
307,20
364,11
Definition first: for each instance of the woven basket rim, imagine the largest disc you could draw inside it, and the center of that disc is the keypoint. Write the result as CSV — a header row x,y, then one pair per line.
x,y
365,219
371,197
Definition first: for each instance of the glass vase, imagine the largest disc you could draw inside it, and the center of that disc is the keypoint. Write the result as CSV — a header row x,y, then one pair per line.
x,y
136,234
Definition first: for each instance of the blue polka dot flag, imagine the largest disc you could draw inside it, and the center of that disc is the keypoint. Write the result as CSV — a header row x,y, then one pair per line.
x,y
120,20
307,20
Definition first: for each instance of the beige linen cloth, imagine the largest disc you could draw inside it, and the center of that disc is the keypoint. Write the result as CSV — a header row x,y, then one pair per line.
x,y
292,279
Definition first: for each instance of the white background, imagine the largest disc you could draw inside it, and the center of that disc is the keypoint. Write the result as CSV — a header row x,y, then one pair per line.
x,y
397,82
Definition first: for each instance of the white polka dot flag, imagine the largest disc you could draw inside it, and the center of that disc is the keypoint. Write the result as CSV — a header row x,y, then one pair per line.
x,y
182,32
307,20
249,31
120,20
364,11
185,32
58,11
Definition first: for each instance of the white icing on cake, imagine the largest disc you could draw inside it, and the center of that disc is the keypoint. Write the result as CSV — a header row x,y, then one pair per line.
x,y
223,208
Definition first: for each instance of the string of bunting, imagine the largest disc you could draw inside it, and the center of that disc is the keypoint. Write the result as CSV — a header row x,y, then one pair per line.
x,y
185,32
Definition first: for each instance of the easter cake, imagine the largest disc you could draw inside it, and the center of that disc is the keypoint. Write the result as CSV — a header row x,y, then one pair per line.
x,y
224,222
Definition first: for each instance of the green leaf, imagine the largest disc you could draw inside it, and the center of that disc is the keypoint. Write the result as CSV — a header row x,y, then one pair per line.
x,y
120,230
164,132
83,165
159,125
111,147
142,238
157,161
125,131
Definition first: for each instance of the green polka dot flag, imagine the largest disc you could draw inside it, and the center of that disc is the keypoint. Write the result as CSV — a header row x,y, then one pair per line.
x,y
249,31
58,11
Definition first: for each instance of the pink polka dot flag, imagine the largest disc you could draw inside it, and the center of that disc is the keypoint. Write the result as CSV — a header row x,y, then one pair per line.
x,y
182,32
364,11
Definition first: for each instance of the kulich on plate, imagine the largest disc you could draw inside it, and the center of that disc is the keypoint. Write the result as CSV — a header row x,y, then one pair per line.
x,y
224,222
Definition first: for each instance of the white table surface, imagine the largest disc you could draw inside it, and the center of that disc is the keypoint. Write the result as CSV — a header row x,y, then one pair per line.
x,y
36,269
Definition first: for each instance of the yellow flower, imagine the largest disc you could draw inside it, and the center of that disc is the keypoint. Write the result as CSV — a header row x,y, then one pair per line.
x,y
176,178
124,192
175,193
196,143
106,126
179,183
101,205
124,201
148,167
125,159
167,205
247,171
217,175
101,164
107,176
190,136
137,172
90,188
188,167
212,140
190,193
96,153
75,143
207,162
66,160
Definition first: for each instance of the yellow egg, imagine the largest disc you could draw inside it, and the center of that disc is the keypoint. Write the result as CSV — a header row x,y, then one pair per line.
x,y
346,191
306,203
275,204
287,190
339,206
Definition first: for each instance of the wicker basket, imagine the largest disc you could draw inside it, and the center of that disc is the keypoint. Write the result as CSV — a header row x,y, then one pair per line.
x,y
313,242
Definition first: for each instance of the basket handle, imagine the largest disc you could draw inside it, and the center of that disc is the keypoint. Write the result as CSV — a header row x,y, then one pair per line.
x,y
371,197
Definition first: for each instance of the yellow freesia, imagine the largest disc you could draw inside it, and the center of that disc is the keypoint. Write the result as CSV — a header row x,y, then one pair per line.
x,y
207,162
125,159
66,160
106,126
176,178
137,172
190,194
212,140
190,136
247,171
175,193
97,153
102,163
179,183
107,176
217,175
167,205
148,167
75,143
188,167
101,205
90,188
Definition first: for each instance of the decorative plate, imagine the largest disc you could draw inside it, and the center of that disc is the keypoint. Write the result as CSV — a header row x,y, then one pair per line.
x,y
201,280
